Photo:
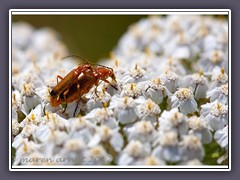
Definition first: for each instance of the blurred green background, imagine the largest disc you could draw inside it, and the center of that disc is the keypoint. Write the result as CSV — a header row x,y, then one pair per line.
x,y
89,36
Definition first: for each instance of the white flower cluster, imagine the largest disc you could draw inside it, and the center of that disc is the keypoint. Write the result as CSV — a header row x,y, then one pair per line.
x,y
172,97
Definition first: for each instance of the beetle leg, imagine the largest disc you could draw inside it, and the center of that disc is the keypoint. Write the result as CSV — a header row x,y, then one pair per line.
x,y
78,86
64,108
147,88
95,90
110,84
76,107
59,77
65,99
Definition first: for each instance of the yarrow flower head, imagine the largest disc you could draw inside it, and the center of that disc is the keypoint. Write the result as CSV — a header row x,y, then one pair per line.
x,y
173,121
168,147
199,127
97,156
132,153
124,109
221,136
219,93
81,128
98,100
198,82
154,90
191,147
102,116
16,102
108,136
15,128
212,59
172,65
135,75
218,78
131,90
184,100
30,99
216,114
170,80
149,111
142,131
73,150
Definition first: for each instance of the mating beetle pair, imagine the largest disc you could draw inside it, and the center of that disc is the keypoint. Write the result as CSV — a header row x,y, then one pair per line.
x,y
78,82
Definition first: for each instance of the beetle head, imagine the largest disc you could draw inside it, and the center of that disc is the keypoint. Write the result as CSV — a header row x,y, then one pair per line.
x,y
54,101
105,72
53,93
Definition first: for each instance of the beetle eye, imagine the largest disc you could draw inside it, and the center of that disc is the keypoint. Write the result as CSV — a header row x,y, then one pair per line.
x,y
53,93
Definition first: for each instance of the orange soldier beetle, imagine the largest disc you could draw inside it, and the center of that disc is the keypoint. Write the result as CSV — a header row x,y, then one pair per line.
x,y
78,82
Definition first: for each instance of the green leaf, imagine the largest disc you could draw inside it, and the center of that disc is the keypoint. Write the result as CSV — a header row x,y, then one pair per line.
x,y
212,152
21,116
13,154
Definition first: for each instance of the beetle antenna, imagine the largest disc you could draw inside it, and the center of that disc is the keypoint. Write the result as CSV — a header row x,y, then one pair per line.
x,y
106,67
79,57
103,66
76,56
